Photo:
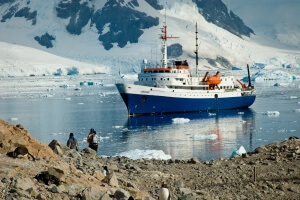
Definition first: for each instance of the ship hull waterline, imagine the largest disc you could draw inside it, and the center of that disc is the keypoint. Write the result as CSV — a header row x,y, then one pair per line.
x,y
140,104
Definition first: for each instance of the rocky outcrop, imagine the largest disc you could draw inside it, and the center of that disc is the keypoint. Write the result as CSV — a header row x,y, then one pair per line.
x,y
45,40
12,136
269,172
216,12
116,22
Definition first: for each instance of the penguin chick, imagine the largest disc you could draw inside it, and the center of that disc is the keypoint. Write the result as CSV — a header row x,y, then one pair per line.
x,y
163,193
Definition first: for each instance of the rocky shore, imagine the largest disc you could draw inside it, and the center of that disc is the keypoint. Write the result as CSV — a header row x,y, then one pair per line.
x,y
56,172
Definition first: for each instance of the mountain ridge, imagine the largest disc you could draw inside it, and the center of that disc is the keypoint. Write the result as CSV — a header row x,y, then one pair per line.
x,y
93,32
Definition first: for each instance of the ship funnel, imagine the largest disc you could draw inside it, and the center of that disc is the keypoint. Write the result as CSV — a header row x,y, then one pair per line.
x,y
249,80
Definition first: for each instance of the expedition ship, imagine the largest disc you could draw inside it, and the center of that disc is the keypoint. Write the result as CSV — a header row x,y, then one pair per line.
x,y
172,88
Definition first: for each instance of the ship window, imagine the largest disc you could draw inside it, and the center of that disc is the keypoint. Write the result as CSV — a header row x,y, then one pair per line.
x,y
161,78
146,79
141,79
168,79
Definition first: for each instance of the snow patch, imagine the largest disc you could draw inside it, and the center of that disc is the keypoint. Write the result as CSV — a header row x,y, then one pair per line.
x,y
149,154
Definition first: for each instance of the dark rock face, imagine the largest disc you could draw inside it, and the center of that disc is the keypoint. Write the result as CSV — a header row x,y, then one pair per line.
x,y
80,14
221,60
2,2
154,4
25,12
174,50
14,10
45,40
10,13
123,22
216,12
120,21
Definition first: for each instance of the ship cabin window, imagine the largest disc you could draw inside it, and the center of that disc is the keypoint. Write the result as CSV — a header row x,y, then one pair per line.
x,y
161,79
146,79
168,79
141,79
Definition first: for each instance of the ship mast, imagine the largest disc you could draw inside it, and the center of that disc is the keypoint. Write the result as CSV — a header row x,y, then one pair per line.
x,y
196,51
164,37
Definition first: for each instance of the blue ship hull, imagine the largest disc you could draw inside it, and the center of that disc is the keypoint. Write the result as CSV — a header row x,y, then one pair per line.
x,y
148,104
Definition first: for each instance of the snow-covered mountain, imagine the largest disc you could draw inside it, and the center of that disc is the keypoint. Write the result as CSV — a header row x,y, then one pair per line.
x,y
121,33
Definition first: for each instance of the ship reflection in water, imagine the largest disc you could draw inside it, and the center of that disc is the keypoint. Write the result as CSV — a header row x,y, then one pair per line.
x,y
205,135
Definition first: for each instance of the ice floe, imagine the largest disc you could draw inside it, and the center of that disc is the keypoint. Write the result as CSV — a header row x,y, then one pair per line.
x,y
271,113
297,110
14,119
205,137
150,154
266,75
180,120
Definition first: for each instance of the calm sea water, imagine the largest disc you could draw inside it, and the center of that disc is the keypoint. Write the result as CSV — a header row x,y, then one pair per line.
x,y
49,112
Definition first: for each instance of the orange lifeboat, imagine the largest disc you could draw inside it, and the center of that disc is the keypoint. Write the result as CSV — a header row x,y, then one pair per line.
x,y
214,80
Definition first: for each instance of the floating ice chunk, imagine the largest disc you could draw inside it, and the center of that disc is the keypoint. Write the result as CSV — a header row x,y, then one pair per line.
x,y
67,99
50,89
103,138
117,126
205,137
212,114
297,110
14,119
180,120
83,83
240,113
150,154
67,86
272,113
238,151
80,103
293,97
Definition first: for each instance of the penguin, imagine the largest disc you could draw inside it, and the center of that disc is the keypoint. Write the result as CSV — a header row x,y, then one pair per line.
x,y
163,193
105,171
21,151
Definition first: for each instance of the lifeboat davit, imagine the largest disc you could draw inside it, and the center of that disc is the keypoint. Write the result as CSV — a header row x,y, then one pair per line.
x,y
214,80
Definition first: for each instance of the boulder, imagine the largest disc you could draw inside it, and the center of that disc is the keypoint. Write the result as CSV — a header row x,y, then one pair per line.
x,y
56,147
91,193
194,160
24,184
111,179
12,136
88,150
57,172
121,194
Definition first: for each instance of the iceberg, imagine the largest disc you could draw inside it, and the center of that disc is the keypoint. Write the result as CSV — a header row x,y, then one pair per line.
x,y
180,120
238,151
150,154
